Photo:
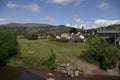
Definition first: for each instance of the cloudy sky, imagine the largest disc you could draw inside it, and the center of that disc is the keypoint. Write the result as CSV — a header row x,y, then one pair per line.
x,y
75,13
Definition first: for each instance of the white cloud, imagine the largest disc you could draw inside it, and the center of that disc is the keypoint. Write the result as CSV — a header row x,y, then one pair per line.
x,y
78,23
103,5
65,2
12,5
69,25
33,7
49,19
104,22
3,19
77,3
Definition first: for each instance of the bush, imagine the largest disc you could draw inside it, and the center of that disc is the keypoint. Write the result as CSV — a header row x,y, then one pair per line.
x,y
32,36
31,61
62,40
101,53
50,62
9,47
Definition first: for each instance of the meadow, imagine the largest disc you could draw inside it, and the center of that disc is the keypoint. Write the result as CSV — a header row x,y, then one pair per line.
x,y
41,49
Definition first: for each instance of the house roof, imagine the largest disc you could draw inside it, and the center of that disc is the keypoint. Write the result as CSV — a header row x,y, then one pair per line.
x,y
109,31
118,39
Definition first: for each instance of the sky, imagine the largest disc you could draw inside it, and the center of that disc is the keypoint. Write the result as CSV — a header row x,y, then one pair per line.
x,y
75,13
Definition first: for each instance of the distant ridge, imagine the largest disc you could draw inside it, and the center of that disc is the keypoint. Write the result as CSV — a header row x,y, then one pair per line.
x,y
40,29
110,27
26,25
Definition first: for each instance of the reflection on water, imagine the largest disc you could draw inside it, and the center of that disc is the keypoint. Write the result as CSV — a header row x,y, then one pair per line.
x,y
13,73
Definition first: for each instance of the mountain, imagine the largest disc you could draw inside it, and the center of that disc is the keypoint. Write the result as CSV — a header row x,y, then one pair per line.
x,y
110,27
26,25
41,29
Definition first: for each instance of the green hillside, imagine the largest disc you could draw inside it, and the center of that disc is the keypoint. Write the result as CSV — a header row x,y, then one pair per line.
x,y
41,29
110,27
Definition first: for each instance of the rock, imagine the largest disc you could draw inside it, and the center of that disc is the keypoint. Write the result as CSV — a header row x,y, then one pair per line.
x,y
72,75
31,52
51,79
77,73
50,74
62,65
70,72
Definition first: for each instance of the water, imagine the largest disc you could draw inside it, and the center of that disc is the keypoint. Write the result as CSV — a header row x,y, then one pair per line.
x,y
13,73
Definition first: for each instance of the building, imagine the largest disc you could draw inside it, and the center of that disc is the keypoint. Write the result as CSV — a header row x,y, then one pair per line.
x,y
108,33
113,35
117,42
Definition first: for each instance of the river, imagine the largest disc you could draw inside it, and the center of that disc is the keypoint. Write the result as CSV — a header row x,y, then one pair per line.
x,y
15,73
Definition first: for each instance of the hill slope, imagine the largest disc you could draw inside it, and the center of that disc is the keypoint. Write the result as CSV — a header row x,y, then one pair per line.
x,y
110,27
41,29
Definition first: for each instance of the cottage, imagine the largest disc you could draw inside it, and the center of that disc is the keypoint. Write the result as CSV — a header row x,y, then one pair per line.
x,y
65,35
117,42
108,33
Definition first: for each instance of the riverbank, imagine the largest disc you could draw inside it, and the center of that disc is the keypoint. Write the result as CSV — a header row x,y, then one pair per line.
x,y
43,73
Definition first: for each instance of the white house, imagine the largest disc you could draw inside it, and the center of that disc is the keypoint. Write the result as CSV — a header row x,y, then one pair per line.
x,y
65,35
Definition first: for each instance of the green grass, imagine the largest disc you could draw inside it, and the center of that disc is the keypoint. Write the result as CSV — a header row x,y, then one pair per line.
x,y
41,49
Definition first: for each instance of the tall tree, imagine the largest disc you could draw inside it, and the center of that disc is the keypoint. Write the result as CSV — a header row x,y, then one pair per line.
x,y
9,47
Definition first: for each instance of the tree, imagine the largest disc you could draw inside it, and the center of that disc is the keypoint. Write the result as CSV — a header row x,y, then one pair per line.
x,y
32,36
9,47
101,53
73,30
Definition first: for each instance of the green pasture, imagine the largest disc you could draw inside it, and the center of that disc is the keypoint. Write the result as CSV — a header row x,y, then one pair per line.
x,y
41,49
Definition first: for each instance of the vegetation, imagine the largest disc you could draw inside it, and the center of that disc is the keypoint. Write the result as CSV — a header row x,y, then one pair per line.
x,y
40,29
41,49
110,27
32,36
101,53
73,30
35,61
9,47
51,61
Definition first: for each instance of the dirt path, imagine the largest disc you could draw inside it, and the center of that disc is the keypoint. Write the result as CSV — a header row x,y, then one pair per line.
x,y
90,68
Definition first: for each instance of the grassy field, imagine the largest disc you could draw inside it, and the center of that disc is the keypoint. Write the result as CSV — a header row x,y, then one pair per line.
x,y
41,48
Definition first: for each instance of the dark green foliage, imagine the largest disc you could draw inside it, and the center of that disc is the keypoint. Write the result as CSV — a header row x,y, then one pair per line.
x,y
9,47
77,39
73,30
32,36
101,53
110,27
31,61
50,62
62,40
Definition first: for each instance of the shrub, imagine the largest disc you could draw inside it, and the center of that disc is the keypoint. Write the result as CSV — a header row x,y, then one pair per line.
x,y
9,47
32,36
31,61
100,52
62,40
50,62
